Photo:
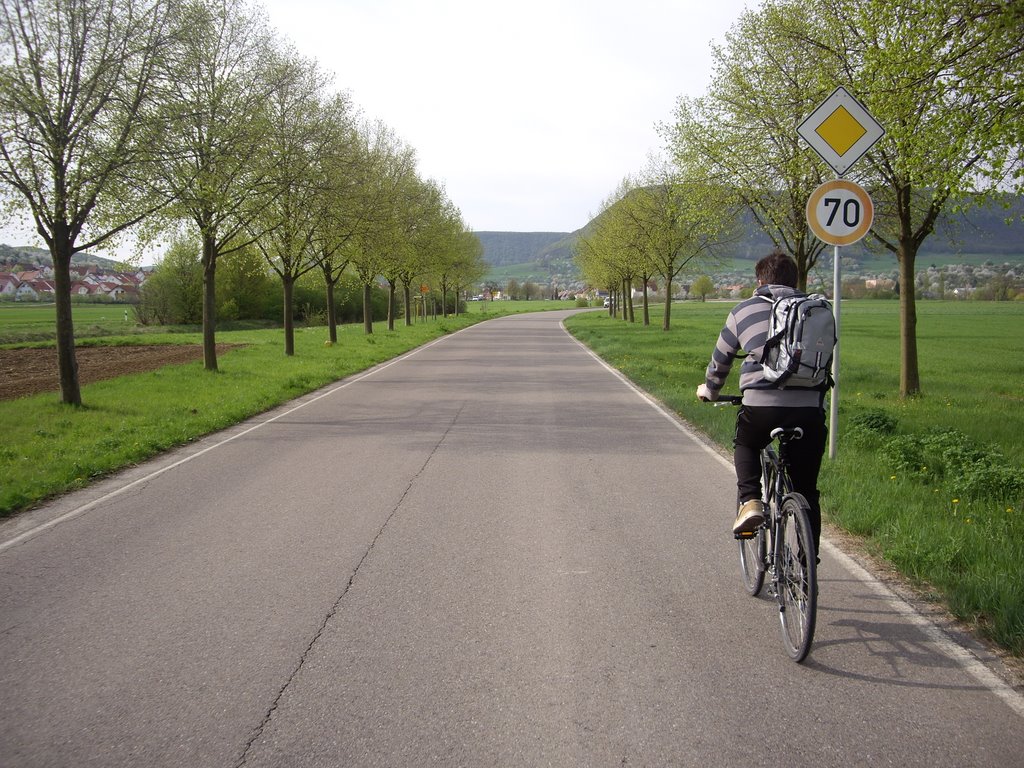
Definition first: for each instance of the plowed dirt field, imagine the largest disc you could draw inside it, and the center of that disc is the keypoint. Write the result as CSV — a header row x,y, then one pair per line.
x,y
29,371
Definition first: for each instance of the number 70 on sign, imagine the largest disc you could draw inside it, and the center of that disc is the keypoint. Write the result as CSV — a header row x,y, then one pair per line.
x,y
840,212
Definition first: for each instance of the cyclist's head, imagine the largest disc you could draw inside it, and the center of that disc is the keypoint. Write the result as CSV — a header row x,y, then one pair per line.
x,y
777,268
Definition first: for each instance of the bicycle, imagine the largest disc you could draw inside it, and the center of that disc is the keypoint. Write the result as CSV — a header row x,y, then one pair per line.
x,y
782,549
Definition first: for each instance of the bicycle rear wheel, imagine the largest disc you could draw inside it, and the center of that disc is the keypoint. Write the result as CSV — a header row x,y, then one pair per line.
x,y
798,578
752,552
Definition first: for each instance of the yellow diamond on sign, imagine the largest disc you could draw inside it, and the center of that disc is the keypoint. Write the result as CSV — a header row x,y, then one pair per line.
x,y
840,130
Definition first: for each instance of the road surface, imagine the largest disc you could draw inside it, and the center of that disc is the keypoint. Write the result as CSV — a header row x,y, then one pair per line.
x,y
490,552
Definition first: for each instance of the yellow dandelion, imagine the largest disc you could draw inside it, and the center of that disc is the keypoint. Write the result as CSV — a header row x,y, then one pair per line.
x,y
956,501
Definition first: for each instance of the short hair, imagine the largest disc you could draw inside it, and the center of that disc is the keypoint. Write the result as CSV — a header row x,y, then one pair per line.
x,y
777,268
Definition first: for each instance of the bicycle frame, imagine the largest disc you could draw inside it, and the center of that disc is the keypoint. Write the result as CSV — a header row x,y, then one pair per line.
x,y
775,486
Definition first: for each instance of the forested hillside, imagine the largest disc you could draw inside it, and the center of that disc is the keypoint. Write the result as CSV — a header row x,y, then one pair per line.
x,y
978,231
501,248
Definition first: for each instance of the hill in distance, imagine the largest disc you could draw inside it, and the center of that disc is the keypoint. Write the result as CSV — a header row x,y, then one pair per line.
x,y
980,233
535,256
29,255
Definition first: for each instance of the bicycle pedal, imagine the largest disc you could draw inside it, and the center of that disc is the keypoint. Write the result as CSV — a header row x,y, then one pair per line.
x,y
745,535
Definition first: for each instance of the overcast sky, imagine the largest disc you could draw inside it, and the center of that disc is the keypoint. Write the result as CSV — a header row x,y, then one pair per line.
x,y
529,112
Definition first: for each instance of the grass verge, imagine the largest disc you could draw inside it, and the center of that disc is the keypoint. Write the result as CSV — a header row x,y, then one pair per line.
x,y
934,484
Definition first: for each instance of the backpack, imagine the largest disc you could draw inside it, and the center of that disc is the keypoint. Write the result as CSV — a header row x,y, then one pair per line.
x,y
801,338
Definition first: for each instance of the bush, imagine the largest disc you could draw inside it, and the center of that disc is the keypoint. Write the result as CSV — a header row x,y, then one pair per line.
x,y
870,428
949,457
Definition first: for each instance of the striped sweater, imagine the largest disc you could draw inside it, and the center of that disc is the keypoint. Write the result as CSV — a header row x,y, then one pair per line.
x,y
745,332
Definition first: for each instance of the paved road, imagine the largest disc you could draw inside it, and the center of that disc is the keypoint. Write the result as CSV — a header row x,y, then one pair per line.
x,y
492,552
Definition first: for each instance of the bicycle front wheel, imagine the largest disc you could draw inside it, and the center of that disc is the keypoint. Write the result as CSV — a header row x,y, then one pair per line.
x,y
752,552
797,577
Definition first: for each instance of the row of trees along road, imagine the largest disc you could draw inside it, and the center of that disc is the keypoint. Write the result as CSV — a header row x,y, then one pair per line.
x,y
173,116
945,78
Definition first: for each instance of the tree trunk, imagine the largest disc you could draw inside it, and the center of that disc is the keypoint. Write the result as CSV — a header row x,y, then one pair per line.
x,y
407,294
67,364
647,308
209,302
367,309
666,323
392,305
332,312
910,380
289,316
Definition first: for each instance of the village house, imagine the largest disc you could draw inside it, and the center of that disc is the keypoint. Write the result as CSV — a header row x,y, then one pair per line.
x,y
8,284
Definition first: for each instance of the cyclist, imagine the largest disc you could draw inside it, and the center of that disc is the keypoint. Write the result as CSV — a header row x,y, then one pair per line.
x,y
765,406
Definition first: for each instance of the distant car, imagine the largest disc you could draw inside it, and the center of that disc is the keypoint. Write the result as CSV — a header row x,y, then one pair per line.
x,y
607,302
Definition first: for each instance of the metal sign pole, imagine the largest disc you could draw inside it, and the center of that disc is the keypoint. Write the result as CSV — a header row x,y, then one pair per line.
x,y
833,416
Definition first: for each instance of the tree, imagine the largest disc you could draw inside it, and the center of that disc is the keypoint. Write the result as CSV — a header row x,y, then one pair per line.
x,y
677,221
172,294
391,164
946,80
343,208
471,266
417,218
217,167
512,288
245,287
300,120
742,133
460,260
77,129
598,251
702,287
628,243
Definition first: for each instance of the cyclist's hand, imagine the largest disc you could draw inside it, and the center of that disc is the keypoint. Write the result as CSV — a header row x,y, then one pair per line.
x,y
705,394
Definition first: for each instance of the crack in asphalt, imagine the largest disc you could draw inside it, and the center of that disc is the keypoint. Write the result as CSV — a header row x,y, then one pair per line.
x,y
337,603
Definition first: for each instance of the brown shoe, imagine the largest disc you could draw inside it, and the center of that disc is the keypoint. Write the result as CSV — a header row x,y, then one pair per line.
x,y
749,518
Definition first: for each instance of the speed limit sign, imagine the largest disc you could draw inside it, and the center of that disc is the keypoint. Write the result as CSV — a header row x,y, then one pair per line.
x,y
840,212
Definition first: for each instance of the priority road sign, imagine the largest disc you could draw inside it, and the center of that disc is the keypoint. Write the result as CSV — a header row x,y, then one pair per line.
x,y
840,130
840,212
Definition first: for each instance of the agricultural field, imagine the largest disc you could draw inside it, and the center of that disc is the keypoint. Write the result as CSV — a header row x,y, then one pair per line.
x,y
30,321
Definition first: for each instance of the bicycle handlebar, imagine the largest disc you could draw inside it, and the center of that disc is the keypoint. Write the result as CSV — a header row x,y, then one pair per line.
x,y
727,400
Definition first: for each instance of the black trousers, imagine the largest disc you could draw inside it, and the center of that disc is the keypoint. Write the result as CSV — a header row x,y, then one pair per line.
x,y
754,425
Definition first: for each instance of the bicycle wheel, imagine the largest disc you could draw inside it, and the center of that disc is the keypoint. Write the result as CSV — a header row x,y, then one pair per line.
x,y
798,579
752,551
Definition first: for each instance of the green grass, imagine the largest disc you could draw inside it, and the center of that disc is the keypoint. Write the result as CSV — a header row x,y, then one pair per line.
x,y
495,308
940,495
